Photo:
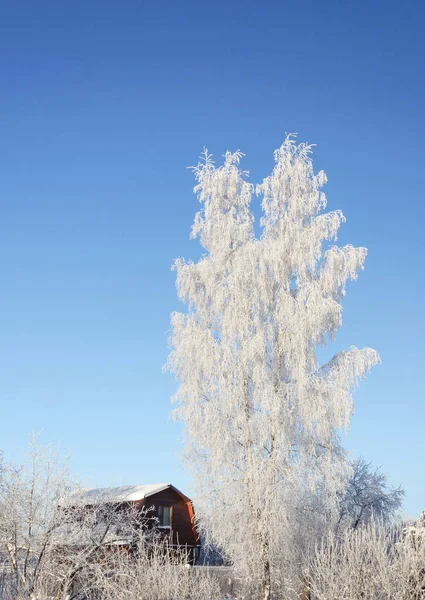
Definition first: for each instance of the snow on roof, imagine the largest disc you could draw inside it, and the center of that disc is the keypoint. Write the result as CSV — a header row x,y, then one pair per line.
x,y
125,493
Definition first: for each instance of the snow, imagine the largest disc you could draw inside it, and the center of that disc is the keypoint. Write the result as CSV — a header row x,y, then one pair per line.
x,y
125,493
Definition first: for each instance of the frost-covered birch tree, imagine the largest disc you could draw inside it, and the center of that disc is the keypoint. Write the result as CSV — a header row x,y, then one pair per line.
x,y
262,417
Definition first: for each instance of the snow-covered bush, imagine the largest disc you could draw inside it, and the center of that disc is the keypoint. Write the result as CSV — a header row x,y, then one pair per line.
x,y
154,572
370,562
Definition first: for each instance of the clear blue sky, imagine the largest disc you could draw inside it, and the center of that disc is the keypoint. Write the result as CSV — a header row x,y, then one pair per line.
x,y
102,107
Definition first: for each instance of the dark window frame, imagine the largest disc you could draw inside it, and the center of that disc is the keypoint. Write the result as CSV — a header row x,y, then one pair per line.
x,y
165,516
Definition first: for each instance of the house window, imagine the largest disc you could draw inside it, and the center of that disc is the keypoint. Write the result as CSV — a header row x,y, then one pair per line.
x,y
164,516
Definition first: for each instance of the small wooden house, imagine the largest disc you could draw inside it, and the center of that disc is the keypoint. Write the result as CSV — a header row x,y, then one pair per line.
x,y
161,504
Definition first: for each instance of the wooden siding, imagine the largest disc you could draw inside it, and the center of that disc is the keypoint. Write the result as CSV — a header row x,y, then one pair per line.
x,y
182,519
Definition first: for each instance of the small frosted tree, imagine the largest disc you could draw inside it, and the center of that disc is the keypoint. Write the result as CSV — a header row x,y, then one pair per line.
x,y
262,417
368,495
29,497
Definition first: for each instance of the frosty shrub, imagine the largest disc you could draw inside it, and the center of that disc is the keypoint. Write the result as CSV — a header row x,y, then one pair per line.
x,y
262,416
371,562
154,572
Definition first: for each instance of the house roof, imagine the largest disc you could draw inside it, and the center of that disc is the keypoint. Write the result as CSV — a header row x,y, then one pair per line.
x,y
125,493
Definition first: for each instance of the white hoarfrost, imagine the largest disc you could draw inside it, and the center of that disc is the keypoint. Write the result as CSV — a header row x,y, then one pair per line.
x,y
261,415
